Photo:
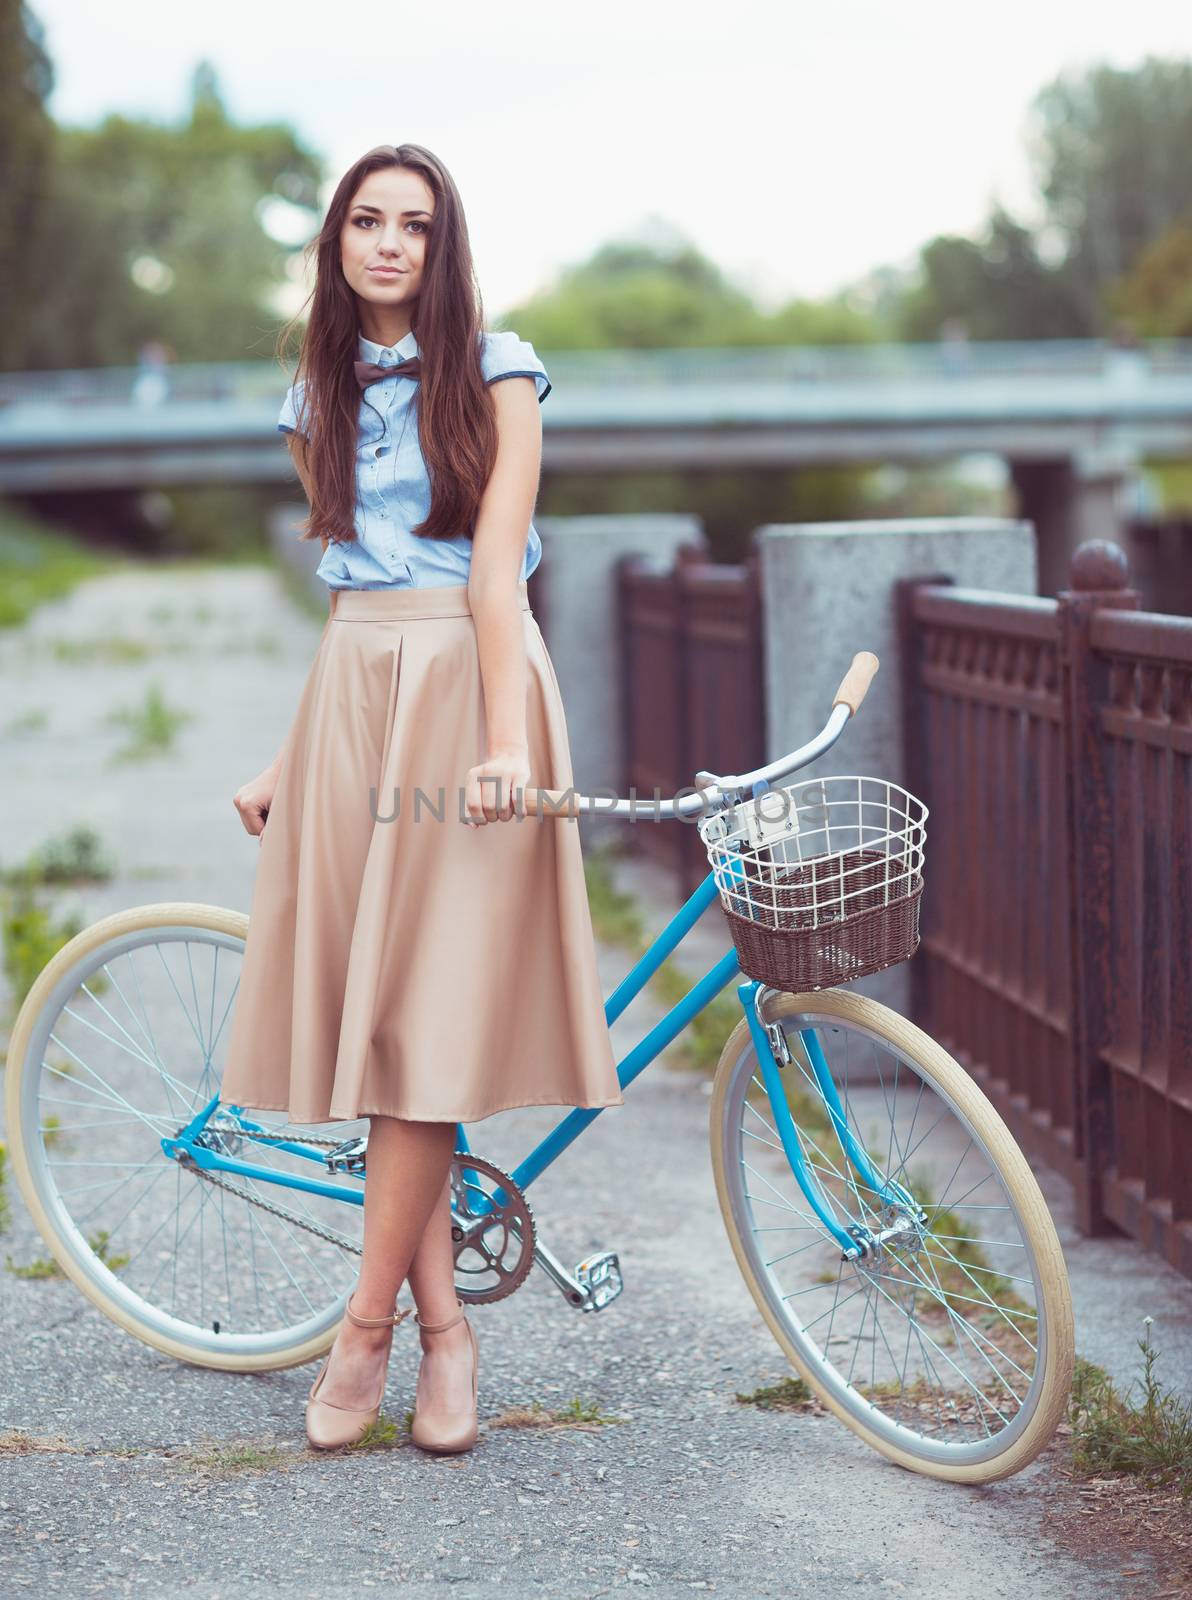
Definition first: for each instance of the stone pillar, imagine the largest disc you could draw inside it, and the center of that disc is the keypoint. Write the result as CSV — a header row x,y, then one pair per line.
x,y
578,575
829,590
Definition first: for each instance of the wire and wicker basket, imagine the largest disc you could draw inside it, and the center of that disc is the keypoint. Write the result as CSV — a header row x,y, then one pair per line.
x,y
820,881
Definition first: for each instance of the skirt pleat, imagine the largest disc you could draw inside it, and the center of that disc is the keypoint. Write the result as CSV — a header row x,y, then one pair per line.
x,y
398,962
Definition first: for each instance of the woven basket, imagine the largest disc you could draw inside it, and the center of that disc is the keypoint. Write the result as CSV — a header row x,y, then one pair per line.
x,y
798,955
820,881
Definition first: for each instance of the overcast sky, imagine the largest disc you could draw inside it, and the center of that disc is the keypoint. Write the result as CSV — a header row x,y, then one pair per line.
x,y
799,146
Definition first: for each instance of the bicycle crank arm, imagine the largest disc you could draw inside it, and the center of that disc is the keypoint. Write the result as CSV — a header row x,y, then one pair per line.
x,y
595,1281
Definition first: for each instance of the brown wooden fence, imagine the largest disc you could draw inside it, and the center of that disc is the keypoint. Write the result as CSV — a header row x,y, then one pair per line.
x,y
693,687
1052,740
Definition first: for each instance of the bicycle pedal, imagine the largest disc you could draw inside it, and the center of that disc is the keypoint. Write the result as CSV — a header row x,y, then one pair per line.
x,y
600,1277
349,1156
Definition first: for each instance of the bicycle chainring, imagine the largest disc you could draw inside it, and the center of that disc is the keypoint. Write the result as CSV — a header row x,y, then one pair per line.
x,y
492,1230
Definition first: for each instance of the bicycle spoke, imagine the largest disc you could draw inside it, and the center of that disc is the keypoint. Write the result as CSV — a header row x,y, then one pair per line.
x,y
935,1331
129,1058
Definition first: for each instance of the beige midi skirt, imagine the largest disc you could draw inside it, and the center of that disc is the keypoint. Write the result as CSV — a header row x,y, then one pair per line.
x,y
398,961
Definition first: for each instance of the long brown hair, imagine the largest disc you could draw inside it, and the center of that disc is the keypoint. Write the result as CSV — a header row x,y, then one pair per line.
x,y
456,424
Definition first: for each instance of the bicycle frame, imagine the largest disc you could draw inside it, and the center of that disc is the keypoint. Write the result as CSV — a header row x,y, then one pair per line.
x,y
189,1143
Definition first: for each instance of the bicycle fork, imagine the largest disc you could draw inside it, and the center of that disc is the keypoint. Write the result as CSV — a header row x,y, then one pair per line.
x,y
773,1054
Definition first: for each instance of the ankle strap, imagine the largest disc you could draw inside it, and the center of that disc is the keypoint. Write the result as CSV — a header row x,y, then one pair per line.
x,y
374,1322
441,1327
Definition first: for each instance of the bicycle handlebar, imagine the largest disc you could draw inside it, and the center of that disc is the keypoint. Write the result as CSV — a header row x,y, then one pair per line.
x,y
708,787
856,681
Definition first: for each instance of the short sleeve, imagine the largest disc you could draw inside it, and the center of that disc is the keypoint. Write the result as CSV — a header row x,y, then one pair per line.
x,y
508,356
287,421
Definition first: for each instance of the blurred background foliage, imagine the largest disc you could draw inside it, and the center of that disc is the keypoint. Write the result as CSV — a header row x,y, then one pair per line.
x,y
134,230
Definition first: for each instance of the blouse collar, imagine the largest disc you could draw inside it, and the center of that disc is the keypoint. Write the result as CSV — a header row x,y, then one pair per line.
x,y
387,354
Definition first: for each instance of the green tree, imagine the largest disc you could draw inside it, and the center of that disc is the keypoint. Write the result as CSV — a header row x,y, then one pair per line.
x,y
665,294
1155,296
1110,150
148,231
26,154
996,285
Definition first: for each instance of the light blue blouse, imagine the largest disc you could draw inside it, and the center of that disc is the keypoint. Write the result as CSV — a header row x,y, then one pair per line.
x,y
392,483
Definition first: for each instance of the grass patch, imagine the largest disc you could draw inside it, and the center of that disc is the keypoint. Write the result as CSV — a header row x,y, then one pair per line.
x,y
1117,1434
114,651
152,726
383,1434
585,1415
48,1267
788,1394
36,720
616,920
38,563
20,1442
234,1459
75,857
31,937
5,1203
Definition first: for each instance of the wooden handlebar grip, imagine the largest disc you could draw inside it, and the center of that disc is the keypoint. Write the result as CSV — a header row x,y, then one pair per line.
x,y
856,681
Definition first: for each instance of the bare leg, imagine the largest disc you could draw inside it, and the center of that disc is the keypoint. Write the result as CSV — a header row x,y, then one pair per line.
x,y
408,1166
445,1373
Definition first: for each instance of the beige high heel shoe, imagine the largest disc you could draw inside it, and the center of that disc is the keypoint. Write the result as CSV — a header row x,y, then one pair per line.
x,y
329,1426
447,1431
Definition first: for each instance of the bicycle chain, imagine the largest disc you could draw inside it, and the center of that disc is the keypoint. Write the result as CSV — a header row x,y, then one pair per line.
x,y
327,1234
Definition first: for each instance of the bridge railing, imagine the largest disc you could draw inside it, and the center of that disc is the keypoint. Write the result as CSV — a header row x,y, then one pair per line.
x,y
1052,740
753,365
693,691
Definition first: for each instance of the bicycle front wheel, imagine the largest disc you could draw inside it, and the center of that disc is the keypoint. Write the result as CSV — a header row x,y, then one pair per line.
x,y
116,1052
947,1345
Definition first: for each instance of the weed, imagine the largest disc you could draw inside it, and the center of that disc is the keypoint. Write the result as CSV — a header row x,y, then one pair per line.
x,y
31,937
616,920
1112,1433
229,1460
75,857
34,720
152,726
109,651
379,1435
43,1268
583,1414
788,1394
39,564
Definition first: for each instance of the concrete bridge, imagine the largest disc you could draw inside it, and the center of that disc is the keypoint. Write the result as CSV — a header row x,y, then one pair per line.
x,y
1071,418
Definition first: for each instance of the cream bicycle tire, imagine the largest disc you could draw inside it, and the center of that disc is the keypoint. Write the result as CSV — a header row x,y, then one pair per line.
x,y
52,990
949,1079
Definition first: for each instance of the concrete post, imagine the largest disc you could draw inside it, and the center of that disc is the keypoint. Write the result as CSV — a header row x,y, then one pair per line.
x,y
829,589
578,574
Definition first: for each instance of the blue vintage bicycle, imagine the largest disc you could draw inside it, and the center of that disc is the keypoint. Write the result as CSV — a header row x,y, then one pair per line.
x,y
887,1226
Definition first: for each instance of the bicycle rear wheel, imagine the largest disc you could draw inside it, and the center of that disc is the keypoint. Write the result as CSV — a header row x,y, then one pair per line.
x,y
948,1345
117,1048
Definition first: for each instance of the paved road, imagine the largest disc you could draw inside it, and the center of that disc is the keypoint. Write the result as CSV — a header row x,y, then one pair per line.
x,y
688,1491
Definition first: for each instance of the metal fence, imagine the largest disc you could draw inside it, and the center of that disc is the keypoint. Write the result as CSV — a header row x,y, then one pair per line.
x,y
1052,740
693,685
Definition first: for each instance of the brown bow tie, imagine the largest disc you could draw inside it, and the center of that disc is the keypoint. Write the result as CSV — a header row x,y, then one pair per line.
x,y
371,371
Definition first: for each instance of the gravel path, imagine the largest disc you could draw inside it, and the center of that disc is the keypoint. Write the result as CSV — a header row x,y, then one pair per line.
x,y
687,1491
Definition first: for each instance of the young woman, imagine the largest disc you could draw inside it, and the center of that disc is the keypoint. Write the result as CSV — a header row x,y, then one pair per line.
x,y
417,953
